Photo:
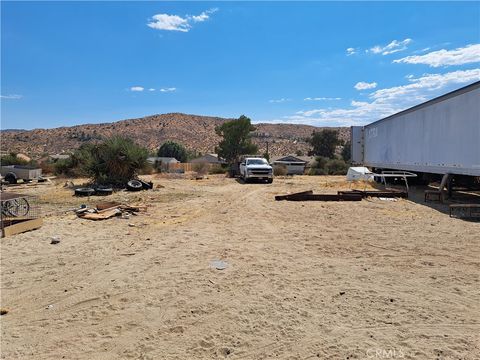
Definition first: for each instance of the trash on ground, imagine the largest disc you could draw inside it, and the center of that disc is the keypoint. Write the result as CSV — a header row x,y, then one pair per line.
x,y
54,240
219,264
107,210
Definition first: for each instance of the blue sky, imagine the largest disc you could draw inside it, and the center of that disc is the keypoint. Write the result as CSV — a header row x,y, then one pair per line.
x,y
319,63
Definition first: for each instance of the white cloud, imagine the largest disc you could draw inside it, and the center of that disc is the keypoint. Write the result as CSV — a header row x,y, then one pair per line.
x,y
322,99
151,89
203,16
169,22
351,51
137,88
170,89
388,101
11,97
393,47
466,55
177,23
278,100
364,85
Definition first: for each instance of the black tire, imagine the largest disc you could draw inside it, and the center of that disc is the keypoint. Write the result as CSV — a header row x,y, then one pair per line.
x,y
11,178
103,191
86,191
134,185
147,185
269,181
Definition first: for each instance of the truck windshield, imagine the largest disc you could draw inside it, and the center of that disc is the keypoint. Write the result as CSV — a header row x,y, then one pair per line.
x,y
257,162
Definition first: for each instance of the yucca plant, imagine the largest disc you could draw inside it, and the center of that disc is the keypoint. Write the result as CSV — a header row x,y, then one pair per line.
x,y
116,161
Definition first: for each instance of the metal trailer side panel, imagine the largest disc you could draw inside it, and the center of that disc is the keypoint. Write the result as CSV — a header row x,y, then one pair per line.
x,y
357,144
442,137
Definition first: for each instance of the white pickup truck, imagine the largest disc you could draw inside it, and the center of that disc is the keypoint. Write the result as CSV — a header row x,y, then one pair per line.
x,y
256,168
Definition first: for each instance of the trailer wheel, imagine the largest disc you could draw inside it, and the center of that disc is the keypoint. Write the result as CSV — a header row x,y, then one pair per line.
x,y
11,178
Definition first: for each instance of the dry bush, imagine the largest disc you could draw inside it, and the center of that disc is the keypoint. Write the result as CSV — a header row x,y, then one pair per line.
x,y
201,168
280,170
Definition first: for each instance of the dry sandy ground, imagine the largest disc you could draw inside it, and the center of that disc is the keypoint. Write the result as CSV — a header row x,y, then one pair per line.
x,y
331,280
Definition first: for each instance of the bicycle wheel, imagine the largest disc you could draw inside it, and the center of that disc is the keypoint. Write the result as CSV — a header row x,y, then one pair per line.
x,y
16,207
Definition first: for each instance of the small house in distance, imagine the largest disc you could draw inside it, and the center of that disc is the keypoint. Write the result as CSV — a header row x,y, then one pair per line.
x,y
163,160
163,163
209,159
295,165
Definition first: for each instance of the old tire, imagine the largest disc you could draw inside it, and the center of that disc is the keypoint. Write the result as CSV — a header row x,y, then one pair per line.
x,y
103,190
11,178
147,185
86,191
134,185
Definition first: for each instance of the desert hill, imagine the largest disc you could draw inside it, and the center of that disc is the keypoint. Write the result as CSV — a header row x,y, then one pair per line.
x,y
193,131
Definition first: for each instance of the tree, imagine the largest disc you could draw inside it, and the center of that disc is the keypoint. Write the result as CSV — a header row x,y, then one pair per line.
x,y
324,143
173,149
236,139
347,151
116,161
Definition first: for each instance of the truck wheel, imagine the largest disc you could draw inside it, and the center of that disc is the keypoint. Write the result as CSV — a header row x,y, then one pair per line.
x,y
269,181
11,178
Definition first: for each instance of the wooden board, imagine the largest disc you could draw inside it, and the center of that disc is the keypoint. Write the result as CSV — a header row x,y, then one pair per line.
x,y
22,227
106,214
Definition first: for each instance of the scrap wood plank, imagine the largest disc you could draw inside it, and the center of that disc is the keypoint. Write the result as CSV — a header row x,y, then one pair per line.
x,y
133,208
107,205
286,197
22,227
105,214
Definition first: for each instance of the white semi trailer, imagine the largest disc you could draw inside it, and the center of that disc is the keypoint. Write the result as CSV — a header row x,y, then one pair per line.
x,y
440,136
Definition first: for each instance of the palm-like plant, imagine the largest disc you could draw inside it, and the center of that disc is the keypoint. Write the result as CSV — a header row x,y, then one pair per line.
x,y
116,161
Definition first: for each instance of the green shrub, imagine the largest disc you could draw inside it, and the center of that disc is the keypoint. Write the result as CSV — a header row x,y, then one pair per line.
x,y
217,169
115,161
320,162
336,167
11,159
324,166
317,171
63,167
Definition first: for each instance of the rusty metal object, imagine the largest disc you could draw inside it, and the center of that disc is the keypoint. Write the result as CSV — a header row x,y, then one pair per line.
x,y
310,196
384,194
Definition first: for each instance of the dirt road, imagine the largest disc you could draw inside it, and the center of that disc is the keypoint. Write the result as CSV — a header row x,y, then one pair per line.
x,y
329,280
